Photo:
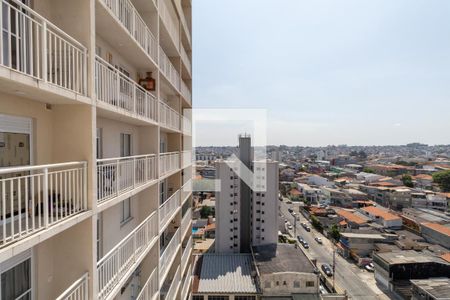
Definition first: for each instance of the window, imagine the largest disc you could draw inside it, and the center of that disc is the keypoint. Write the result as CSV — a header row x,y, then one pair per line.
x,y
198,297
277,283
309,283
218,297
16,282
126,211
296,284
284,283
125,144
262,229
244,297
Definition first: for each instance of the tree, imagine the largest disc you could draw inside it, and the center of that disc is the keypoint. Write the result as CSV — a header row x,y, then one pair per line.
x,y
442,178
407,180
334,232
205,212
368,170
316,223
362,154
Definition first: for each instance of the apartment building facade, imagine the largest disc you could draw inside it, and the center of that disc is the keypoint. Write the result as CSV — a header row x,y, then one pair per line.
x,y
95,149
246,217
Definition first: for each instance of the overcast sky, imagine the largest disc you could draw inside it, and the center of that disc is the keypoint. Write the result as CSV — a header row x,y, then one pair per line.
x,y
356,72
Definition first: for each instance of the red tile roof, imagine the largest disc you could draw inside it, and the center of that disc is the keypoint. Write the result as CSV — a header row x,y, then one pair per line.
x,y
380,213
437,227
351,217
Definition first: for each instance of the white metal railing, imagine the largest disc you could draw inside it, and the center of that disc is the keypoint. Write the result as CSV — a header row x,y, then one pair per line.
x,y
150,288
79,290
168,117
186,283
186,158
185,222
168,69
186,254
169,22
186,60
32,45
36,197
118,90
168,162
129,17
186,190
185,92
168,208
175,283
116,176
186,126
168,254
114,266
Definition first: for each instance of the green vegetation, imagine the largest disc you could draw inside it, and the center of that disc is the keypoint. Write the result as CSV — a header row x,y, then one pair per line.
x,y
334,232
368,170
205,212
316,223
406,163
442,178
407,180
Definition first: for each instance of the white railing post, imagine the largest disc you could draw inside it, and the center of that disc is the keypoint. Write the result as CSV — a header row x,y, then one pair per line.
x,y
117,177
134,172
44,52
45,195
85,185
117,88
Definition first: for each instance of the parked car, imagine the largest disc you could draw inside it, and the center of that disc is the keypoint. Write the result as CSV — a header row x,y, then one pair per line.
x,y
290,227
290,210
304,225
307,228
369,267
318,240
326,268
300,239
305,245
288,202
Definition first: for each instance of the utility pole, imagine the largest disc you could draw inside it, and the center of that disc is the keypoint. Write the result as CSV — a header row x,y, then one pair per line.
x,y
295,230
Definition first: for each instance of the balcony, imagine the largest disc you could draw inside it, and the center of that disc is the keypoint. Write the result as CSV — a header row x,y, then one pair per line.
x,y
169,162
186,60
186,284
186,222
185,92
150,288
169,117
116,266
186,126
79,290
186,191
117,92
167,256
127,15
186,158
172,290
168,209
168,69
34,198
169,23
41,50
187,251
124,175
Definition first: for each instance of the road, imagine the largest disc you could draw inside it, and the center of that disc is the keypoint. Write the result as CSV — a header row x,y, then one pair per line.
x,y
358,283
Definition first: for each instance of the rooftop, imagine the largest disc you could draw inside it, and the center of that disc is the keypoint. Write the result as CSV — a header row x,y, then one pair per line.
x,y
287,259
409,256
380,213
350,216
438,227
438,288
374,236
226,273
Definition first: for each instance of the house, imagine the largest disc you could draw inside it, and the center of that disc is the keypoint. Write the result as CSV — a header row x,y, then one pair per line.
x,y
436,233
352,220
423,181
382,217
357,245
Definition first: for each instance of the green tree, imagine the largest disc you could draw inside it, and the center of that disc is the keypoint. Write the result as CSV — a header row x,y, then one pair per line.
x,y
334,232
316,223
407,180
442,178
368,170
205,212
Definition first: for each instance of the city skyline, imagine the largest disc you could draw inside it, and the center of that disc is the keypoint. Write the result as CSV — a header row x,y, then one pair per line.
x,y
352,72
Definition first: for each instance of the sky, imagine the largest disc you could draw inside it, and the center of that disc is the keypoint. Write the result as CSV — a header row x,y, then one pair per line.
x,y
355,72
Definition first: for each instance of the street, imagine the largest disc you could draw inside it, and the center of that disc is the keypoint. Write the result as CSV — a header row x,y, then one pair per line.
x,y
358,283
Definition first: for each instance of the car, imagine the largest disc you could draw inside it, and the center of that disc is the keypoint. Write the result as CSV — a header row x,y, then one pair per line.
x,y
290,210
294,214
290,227
369,267
300,239
326,268
288,202
304,225
305,245
318,240
307,228
285,221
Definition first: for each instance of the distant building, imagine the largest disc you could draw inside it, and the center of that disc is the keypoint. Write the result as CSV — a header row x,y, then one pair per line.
x,y
436,233
358,245
430,289
382,217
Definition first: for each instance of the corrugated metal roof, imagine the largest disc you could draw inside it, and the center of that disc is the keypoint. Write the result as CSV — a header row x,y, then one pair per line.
x,y
226,273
